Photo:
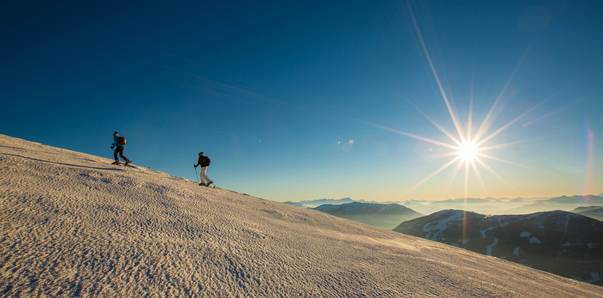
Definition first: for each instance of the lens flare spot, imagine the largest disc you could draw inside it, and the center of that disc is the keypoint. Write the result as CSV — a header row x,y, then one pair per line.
x,y
467,151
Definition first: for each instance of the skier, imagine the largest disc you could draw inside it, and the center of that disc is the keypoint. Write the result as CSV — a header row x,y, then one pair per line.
x,y
204,162
118,144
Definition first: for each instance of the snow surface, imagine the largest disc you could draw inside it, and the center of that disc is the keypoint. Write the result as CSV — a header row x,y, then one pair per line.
x,y
74,225
434,229
484,231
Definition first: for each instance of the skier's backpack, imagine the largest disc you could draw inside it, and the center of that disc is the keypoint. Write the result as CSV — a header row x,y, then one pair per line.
x,y
204,161
121,140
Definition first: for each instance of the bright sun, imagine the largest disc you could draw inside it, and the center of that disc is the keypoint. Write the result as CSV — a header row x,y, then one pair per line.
x,y
469,146
467,151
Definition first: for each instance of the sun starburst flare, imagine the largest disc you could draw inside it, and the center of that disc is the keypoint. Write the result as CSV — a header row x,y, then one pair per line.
x,y
468,151
469,146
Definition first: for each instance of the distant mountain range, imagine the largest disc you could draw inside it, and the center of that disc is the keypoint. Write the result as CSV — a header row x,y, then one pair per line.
x,y
491,206
566,203
385,216
480,205
595,212
318,202
560,242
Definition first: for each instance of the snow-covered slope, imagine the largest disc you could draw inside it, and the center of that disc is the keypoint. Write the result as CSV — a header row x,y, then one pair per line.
x,y
71,224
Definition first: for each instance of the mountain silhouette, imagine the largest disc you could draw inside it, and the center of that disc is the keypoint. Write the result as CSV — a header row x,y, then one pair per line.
x,y
386,216
560,242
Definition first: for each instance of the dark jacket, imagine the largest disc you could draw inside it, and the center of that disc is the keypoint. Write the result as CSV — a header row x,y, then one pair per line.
x,y
203,161
116,141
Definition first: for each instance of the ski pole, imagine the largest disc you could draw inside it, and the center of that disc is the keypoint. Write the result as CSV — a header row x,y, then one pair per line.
x,y
196,175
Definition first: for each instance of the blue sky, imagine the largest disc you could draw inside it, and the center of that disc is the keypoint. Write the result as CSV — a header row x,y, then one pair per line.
x,y
280,94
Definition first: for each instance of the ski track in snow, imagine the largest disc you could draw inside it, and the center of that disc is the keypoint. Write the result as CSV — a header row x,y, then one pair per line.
x,y
73,225
491,246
